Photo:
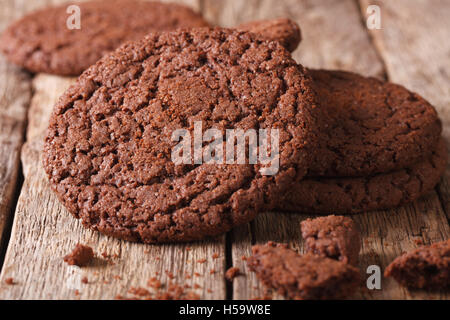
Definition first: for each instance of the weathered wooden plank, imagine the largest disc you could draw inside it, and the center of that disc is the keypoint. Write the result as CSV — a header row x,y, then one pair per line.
x,y
330,43
414,44
15,94
332,31
43,232
46,89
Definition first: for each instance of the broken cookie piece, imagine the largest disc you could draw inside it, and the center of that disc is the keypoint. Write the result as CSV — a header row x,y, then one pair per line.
x,y
427,267
232,273
80,256
335,237
302,277
283,30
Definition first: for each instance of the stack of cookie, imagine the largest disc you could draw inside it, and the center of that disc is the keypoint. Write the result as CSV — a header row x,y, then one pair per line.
x,y
381,147
345,143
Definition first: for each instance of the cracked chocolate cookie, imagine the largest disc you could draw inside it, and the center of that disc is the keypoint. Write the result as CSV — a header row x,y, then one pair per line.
x,y
370,126
283,30
42,41
380,191
109,146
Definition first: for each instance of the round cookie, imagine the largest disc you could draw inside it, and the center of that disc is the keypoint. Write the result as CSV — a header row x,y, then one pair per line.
x,y
370,126
283,30
42,42
108,147
381,191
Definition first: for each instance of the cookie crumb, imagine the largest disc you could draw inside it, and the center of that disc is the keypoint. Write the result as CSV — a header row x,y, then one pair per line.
x,y
215,255
9,281
232,273
80,256
85,280
154,283
141,292
262,298
201,260
176,292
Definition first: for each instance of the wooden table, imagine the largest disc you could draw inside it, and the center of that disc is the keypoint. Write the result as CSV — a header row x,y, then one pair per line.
x,y
411,48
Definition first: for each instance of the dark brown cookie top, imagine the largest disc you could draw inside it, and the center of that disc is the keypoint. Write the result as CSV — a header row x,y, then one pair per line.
x,y
42,42
425,267
380,191
370,126
109,142
283,30
302,277
335,237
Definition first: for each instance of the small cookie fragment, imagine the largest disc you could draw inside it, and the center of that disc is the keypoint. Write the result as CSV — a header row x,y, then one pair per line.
x,y
80,256
427,267
302,277
10,281
335,237
232,273
283,30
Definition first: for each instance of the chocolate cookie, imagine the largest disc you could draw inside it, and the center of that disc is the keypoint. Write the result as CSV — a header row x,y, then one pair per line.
x,y
370,126
427,267
108,150
42,41
306,277
283,30
335,237
380,191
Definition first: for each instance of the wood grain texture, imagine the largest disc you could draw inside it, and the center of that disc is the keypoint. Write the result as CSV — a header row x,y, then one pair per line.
x,y
414,43
15,94
44,232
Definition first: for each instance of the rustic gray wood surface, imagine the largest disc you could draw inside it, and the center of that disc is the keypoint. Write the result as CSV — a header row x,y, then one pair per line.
x,y
335,37
15,95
